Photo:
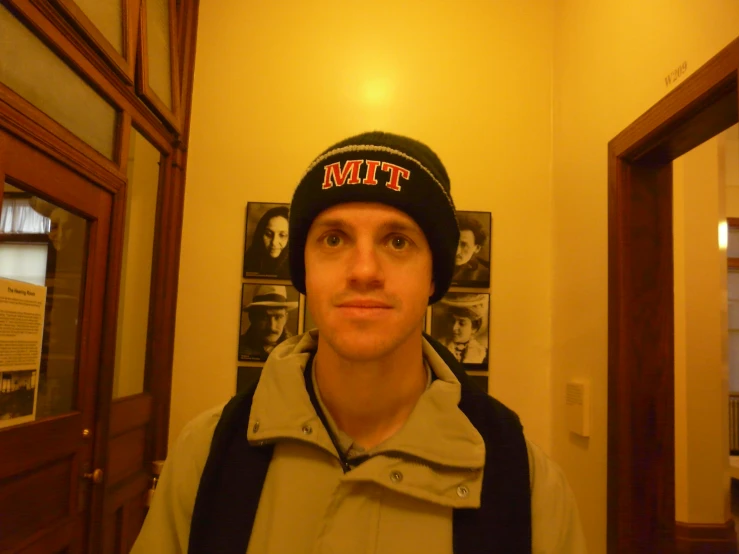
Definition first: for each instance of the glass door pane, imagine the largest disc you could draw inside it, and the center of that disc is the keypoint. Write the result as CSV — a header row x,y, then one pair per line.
x,y
107,15
158,46
45,244
138,247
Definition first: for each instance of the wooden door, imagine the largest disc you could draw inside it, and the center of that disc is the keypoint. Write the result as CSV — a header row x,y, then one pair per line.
x,y
47,466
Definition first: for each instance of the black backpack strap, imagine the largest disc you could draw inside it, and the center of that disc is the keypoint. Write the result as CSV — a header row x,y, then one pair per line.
x,y
231,485
503,521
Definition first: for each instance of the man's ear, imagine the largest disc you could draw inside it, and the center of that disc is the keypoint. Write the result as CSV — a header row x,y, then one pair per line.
x,y
477,248
432,288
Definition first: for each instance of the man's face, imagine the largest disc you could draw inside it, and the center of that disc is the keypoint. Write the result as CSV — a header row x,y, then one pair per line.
x,y
462,329
269,323
368,279
466,247
275,236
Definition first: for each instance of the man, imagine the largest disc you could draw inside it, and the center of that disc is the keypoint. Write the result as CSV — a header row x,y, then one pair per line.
x,y
267,318
465,313
364,435
468,267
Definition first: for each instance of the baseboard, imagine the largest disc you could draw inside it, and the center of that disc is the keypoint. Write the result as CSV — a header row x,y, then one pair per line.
x,y
694,538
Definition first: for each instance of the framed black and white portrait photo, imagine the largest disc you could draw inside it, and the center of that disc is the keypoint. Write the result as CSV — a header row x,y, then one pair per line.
x,y
269,315
266,241
472,262
459,321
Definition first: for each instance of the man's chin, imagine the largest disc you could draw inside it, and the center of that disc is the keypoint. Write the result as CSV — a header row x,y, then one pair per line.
x,y
358,346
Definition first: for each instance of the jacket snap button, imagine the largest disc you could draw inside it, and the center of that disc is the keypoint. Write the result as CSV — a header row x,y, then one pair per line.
x,y
463,491
307,429
396,476
255,428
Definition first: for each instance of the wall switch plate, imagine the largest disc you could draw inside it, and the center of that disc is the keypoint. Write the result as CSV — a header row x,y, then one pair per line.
x,y
578,407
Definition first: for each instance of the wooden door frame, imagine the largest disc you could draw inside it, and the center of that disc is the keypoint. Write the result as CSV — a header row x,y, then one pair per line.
x,y
641,422
21,119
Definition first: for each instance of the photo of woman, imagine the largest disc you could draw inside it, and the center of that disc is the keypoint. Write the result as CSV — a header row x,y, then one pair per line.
x,y
460,322
266,241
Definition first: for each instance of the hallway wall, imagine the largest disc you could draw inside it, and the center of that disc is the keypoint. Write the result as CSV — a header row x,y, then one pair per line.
x,y
611,61
276,83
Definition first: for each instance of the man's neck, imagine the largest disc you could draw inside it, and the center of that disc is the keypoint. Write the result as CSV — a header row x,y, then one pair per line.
x,y
370,401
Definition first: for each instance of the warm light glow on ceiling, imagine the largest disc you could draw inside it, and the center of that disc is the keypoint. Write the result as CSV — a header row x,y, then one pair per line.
x,y
723,235
377,91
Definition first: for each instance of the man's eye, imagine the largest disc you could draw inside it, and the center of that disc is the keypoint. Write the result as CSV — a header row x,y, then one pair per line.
x,y
398,243
333,240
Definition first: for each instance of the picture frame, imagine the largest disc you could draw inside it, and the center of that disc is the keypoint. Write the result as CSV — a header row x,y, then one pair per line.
x,y
269,316
460,322
266,241
472,264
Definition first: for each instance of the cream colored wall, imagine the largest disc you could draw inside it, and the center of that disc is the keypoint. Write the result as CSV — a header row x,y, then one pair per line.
x,y
611,59
701,369
275,83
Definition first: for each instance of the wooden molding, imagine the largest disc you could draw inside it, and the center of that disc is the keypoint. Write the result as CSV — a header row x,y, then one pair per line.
x,y
697,538
171,115
123,63
22,119
64,40
641,424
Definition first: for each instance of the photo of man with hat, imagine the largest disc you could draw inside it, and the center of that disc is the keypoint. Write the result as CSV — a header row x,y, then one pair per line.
x,y
364,435
457,321
267,315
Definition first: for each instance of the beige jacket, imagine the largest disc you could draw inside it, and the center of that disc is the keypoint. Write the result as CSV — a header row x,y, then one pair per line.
x,y
390,504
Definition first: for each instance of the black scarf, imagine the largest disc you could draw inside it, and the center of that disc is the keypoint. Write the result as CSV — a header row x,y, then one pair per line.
x,y
234,474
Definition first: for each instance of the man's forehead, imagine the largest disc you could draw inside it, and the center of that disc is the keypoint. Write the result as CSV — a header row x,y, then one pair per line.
x,y
364,215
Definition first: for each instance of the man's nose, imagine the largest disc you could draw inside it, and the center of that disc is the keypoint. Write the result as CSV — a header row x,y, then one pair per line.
x,y
366,264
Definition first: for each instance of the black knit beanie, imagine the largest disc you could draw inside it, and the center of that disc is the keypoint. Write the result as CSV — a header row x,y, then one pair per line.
x,y
386,168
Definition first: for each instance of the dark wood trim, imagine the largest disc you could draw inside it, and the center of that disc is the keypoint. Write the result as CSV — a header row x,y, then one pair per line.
x,y
60,435
130,412
24,238
12,195
695,538
24,120
56,539
126,490
733,222
62,34
124,142
123,63
172,115
641,426
161,316
107,360
733,263
169,262
187,35
62,38
673,117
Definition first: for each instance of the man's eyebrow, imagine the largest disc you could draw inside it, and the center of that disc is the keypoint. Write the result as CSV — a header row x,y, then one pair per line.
x,y
331,223
388,226
400,227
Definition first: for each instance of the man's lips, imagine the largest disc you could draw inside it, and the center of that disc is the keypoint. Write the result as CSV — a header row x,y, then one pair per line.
x,y
366,304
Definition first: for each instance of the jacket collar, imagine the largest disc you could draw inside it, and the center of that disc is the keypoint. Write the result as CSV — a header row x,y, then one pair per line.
x,y
437,432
